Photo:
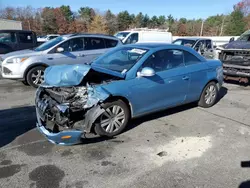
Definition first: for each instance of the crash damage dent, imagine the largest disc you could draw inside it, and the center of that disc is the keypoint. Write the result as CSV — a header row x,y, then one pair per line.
x,y
65,75
95,99
56,121
65,112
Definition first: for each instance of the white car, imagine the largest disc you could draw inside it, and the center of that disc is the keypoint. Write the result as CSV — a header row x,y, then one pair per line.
x,y
47,38
144,35
29,65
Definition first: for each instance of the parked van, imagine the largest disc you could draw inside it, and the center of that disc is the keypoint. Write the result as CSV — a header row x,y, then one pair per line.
x,y
145,35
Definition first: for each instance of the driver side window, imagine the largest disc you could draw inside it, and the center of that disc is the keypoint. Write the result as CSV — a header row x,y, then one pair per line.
x,y
132,39
200,45
165,60
73,45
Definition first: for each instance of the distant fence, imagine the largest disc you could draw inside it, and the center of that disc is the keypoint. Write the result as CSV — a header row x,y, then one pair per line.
x,y
217,40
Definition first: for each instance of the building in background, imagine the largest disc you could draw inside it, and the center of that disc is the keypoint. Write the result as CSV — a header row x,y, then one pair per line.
x,y
10,24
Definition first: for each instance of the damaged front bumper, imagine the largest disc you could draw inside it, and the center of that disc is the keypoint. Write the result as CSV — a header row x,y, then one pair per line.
x,y
236,70
67,135
236,64
70,136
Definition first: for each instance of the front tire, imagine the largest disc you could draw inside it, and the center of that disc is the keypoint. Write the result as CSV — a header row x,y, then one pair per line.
x,y
209,95
25,83
114,120
35,76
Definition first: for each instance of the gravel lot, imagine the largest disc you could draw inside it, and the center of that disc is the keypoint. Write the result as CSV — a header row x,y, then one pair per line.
x,y
186,147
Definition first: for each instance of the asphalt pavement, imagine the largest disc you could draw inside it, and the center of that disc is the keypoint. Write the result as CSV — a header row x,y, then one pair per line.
x,y
184,147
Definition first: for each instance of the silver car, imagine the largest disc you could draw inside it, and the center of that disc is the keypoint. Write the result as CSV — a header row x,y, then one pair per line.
x,y
29,65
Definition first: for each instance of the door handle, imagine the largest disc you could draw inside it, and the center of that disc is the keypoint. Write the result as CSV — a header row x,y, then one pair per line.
x,y
50,58
185,78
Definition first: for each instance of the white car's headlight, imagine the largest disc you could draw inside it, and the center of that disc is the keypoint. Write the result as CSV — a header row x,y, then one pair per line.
x,y
17,60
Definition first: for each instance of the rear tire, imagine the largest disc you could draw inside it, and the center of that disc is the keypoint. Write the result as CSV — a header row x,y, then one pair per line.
x,y
35,76
114,120
209,95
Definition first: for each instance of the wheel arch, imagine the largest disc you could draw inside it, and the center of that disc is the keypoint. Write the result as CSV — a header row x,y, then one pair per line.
x,y
211,80
31,67
125,100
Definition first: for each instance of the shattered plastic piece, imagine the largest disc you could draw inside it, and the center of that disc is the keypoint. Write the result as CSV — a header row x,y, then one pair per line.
x,y
65,75
91,116
95,95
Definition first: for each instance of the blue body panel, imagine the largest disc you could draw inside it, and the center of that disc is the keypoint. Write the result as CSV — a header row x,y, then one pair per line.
x,y
145,95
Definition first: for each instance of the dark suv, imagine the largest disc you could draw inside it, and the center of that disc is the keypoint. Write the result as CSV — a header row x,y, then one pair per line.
x,y
13,40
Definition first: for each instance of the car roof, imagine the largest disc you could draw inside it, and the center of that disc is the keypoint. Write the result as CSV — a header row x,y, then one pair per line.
x,y
17,31
193,38
150,46
89,35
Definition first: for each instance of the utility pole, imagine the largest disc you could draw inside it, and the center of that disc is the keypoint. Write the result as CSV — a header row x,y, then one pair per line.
x,y
202,24
29,24
222,25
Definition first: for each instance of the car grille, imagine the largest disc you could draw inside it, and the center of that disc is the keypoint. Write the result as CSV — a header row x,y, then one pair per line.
x,y
6,70
41,106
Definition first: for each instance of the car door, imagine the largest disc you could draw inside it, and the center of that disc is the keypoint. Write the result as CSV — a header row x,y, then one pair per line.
x,y
73,52
197,70
167,88
208,51
25,40
132,39
94,47
200,46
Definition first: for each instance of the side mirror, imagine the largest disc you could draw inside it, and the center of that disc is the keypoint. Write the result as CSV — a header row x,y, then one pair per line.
x,y
146,72
60,50
231,39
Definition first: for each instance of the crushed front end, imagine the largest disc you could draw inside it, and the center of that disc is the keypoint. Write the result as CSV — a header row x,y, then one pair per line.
x,y
70,101
65,114
236,64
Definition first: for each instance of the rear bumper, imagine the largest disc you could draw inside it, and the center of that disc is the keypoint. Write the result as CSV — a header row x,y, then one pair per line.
x,y
69,137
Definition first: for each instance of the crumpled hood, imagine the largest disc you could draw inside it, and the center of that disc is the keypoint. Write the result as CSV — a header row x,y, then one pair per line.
x,y
238,45
65,75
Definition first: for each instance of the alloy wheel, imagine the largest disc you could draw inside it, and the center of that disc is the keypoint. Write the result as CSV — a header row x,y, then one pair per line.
x,y
210,94
112,119
37,77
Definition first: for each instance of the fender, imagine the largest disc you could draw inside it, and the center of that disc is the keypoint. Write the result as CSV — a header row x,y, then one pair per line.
x,y
32,66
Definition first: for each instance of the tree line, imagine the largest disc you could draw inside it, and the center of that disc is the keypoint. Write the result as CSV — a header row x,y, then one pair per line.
x,y
63,20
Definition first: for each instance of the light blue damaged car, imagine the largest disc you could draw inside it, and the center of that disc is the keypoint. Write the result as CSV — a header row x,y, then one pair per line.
x,y
127,82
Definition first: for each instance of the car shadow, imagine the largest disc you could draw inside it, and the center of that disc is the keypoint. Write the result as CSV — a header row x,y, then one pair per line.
x,y
19,120
245,184
137,121
15,122
222,93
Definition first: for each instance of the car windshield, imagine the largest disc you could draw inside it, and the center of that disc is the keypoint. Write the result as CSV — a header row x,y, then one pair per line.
x,y
121,59
184,42
49,44
244,37
7,37
122,35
